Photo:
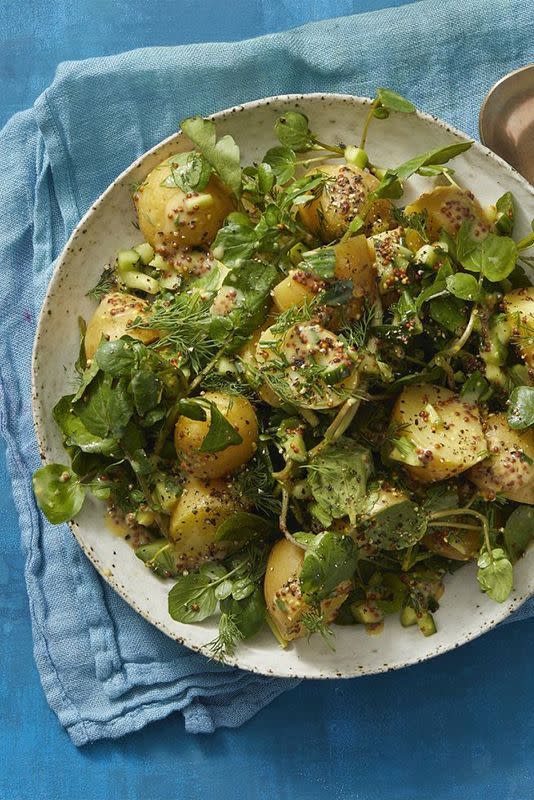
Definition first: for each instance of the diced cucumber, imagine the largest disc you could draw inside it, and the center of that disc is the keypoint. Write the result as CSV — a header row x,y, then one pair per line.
x,y
127,260
146,253
334,373
158,262
408,617
366,613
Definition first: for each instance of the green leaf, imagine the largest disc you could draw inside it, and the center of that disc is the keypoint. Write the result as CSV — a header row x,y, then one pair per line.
x,y
519,531
106,283
338,294
244,527
248,614
396,527
465,287
321,261
192,409
190,172
330,559
282,161
235,242
107,409
293,132
146,390
504,222
220,434
223,155
476,389
253,281
495,575
337,478
394,102
266,178
192,598
88,375
449,312
75,432
118,357
521,407
438,156
161,557
495,257
58,492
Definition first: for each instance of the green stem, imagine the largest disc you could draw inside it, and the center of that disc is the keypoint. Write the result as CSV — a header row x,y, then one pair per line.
x,y
461,512
367,122
283,520
306,162
331,147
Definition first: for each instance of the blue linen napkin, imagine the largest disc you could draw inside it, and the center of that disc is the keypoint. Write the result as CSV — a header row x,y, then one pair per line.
x,y
105,671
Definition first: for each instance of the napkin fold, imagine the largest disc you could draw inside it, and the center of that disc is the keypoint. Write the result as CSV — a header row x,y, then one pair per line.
x,y
105,671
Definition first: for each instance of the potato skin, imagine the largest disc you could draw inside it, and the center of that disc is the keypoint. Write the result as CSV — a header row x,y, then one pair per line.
x,y
447,208
165,220
519,309
445,449
281,584
505,471
329,215
112,318
195,518
189,435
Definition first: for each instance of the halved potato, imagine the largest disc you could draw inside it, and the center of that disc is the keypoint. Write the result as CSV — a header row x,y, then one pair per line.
x,y
199,511
190,433
509,469
519,309
112,319
283,597
440,435
298,288
171,219
354,263
447,208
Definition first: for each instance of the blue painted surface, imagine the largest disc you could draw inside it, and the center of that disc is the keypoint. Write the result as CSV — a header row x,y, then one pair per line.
x,y
456,727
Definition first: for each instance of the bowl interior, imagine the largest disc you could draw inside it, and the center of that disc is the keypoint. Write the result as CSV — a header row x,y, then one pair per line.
x,y
465,612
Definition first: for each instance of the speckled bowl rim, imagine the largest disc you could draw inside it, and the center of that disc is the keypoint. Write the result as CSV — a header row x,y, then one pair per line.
x,y
501,611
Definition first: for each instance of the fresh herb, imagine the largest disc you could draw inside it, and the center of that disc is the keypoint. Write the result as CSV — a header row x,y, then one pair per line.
x,y
337,478
519,531
504,221
282,161
293,132
190,172
521,407
245,527
495,574
59,492
223,155
495,257
396,527
329,561
105,284
465,287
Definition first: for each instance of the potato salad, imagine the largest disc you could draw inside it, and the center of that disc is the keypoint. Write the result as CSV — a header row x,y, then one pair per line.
x,y
304,400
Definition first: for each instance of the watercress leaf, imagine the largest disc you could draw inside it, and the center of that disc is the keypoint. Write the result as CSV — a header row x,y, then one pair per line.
x,y
476,389
521,407
337,478
293,131
438,156
389,186
244,526
253,281
234,242
504,221
338,294
140,462
192,598
519,531
465,241
58,492
380,113
396,527
189,172
266,178
146,390
107,409
220,434
394,102
213,571
495,257
161,557
88,375
242,587
321,261
435,170
329,560
449,312
224,590
248,614
282,161
118,357
75,432
223,155
465,287
495,576
192,409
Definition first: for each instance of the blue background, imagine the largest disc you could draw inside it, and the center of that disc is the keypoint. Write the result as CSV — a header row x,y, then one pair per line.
x,y
459,726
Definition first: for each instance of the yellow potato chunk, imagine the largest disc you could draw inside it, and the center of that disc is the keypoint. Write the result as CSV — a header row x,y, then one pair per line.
x,y
519,309
298,288
458,545
354,263
112,319
442,435
190,433
342,199
509,469
199,511
172,220
447,208
283,598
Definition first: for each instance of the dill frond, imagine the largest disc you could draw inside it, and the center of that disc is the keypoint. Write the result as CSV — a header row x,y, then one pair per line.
x,y
229,637
256,484
106,283
357,333
314,622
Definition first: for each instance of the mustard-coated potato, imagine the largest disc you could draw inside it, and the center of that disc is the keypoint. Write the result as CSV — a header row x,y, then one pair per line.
x,y
283,598
248,355
200,509
112,319
342,199
442,433
458,545
354,263
190,433
447,208
172,220
519,309
296,289
509,469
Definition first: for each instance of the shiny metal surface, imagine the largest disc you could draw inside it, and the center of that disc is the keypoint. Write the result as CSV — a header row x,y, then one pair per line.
x,y
506,121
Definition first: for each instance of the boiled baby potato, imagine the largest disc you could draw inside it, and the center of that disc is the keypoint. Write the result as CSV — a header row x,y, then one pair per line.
x,y
354,263
112,319
342,199
190,433
458,545
171,219
509,469
440,434
283,598
296,289
200,509
447,208
519,309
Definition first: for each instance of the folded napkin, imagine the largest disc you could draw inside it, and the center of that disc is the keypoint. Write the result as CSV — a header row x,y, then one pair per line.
x,y
105,670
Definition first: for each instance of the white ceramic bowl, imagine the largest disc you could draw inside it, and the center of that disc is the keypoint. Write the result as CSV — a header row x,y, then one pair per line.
x,y
107,227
